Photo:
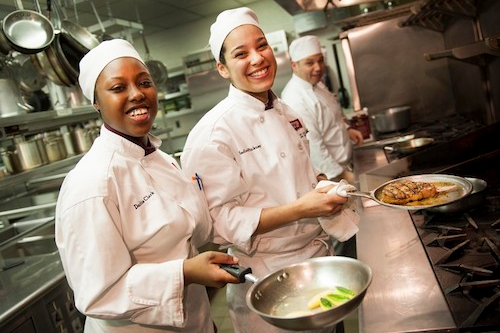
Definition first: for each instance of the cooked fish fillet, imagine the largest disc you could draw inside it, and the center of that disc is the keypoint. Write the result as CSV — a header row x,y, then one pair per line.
x,y
404,191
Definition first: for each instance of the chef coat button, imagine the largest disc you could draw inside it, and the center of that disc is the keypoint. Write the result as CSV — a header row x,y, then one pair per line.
x,y
279,112
144,162
282,154
300,147
261,119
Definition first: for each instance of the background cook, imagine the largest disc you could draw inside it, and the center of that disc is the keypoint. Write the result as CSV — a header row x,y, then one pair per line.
x,y
329,134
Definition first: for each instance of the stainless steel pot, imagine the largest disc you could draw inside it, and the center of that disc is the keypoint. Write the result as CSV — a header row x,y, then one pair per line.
x,y
391,119
11,102
281,297
29,155
83,139
55,147
10,158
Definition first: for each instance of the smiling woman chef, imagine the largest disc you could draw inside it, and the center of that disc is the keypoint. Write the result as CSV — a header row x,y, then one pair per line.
x,y
127,222
251,152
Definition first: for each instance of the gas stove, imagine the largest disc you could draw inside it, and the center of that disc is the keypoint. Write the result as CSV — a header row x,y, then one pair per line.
x,y
464,250
442,131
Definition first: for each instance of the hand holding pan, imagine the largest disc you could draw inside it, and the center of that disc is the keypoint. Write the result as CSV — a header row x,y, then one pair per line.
x,y
449,189
281,298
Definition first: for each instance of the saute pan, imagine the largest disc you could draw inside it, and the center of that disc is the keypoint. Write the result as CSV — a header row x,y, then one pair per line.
x,y
450,189
473,200
409,146
281,297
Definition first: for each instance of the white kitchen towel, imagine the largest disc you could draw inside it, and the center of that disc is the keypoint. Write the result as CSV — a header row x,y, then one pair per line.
x,y
344,224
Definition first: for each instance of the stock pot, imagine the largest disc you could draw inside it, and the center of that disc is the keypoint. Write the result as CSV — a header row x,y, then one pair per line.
x,y
391,119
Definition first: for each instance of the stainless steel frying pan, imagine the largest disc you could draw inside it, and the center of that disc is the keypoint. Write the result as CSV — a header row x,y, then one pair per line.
x,y
457,188
281,297
27,31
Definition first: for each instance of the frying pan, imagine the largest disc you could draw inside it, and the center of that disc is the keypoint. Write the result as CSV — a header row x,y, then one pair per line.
x,y
27,31
458,188
474,199
281,297
409,146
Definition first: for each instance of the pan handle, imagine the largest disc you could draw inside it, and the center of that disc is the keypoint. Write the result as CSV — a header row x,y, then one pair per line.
x,y
360,194
242,273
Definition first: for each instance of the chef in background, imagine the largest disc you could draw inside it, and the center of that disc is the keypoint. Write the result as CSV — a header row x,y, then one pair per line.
x,y
128,223
330,137
251,154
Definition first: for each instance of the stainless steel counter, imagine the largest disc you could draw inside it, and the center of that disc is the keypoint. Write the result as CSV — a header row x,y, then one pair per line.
x,y
25,283
404,295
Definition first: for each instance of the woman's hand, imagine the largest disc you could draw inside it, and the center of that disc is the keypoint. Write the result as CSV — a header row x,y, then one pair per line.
x,y
317,203
204,269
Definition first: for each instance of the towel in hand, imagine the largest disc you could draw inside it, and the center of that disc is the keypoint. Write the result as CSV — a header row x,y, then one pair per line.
x,y
344,224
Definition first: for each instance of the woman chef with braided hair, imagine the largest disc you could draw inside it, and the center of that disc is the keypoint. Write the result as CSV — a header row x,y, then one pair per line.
x,y
128,223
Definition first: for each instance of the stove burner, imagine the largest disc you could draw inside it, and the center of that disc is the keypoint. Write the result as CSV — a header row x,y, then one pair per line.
x,y
464,250
449,128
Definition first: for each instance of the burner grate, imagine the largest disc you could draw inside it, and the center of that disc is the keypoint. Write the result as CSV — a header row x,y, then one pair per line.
x,y
464,250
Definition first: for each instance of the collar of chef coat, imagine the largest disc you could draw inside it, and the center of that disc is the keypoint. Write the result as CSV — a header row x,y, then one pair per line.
x,y
124,145
256,103
301,83
148,148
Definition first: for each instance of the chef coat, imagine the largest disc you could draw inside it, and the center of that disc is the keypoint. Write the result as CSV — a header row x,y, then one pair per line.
x,y
331,147
249,158
125,222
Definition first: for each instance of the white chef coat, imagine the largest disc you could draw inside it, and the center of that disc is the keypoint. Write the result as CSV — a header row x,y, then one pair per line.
x,y
125,222
249,158
331,147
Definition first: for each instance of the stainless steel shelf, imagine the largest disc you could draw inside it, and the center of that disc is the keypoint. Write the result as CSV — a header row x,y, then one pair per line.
x,y
25,176
38,121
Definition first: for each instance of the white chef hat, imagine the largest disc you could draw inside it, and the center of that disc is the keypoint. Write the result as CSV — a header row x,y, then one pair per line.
x,y
225,23
304,47
97,58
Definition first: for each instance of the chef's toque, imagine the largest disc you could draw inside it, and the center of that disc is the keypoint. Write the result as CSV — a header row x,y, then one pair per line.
x,y
97,58
225,23
304,47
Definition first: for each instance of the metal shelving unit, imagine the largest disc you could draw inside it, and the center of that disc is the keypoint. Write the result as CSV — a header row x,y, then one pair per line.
x,y
35,122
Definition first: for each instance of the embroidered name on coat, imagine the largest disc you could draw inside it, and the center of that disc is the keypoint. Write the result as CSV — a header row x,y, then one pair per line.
x,y
246,150
144,199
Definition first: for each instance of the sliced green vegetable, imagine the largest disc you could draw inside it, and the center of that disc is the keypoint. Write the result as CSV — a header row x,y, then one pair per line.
x,y
325,303
337,299
346,291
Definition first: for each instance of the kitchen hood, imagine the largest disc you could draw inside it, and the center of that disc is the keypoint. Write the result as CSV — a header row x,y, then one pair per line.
x,y
349,13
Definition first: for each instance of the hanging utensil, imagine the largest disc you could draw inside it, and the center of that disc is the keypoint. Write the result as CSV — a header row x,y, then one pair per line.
x,y
104,36
77,36
157,69
27,31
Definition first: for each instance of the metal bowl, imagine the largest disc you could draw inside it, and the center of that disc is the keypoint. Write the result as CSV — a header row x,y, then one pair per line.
x,y
289,289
